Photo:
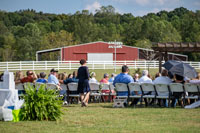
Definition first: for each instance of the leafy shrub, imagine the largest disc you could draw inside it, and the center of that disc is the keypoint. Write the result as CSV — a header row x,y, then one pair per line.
x,y
43,104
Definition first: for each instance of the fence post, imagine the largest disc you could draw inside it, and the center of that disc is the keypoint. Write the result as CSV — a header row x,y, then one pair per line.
x,y
6,65
20,65
58,65
135,64
70,65
92,65
33,66
45,65
145,64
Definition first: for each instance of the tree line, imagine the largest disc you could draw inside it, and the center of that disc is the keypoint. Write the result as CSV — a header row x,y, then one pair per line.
x,y
24,32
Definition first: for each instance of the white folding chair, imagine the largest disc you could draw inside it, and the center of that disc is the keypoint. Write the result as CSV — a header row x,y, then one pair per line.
x,y
105,87
63,86
73,88
163,92
135,87
177,87
105,91
38,85
73,91
148,91
52,86
28,84
95,91
122,95
20,88
191,88
121,90
112,89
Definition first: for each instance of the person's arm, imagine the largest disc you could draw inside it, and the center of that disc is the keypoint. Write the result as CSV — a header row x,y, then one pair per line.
x,y
34,76
87,73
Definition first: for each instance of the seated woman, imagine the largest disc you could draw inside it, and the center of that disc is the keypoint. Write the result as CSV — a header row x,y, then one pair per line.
x,y
177,95
71,78
62,77
105,78
92,78
105,81
42,78
18,76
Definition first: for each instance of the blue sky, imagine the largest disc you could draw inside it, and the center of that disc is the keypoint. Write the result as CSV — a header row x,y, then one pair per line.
x,y
136,7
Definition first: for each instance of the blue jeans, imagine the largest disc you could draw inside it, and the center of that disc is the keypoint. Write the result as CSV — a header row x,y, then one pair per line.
x,y
64,93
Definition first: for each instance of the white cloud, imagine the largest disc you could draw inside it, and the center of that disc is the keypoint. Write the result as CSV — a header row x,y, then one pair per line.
x,y
92,7
197,3
142,2
155,2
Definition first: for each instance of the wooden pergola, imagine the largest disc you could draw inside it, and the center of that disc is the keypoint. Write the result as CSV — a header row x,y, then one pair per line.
x,y
164,48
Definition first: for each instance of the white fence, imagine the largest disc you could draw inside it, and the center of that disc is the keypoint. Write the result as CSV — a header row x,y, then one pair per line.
x,y
47,65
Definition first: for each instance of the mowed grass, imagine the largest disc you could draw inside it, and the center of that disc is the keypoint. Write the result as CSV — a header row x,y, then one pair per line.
x,y
101,117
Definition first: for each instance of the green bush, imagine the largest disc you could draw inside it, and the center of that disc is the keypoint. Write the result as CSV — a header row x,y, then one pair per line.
x,y
43,104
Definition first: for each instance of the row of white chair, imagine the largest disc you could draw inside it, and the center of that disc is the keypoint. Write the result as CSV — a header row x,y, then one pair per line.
x,y
158,91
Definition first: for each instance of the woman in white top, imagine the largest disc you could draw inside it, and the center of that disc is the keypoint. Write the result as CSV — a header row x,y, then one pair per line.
x,y
92,78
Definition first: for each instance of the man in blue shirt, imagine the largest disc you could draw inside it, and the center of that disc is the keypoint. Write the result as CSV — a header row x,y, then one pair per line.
x,y
123,77
52,77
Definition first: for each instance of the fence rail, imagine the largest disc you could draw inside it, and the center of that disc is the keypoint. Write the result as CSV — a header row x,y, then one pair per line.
x,y
47,65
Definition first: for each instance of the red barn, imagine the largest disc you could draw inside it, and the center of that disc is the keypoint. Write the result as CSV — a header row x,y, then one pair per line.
x,y
100,51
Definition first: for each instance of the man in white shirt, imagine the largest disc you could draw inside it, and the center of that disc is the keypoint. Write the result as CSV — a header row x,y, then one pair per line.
x,y
145,78
163,79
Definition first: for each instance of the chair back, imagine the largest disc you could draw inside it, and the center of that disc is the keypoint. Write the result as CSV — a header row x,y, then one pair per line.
x,y
176,87
161,87
37,85
51,86
19,86
28,84
147,87
121,89
134,87
94,86
105,86
72,86
191,87
63,86
112,87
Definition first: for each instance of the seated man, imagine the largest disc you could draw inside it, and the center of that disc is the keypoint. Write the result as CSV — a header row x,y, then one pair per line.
x,y
145,79
53,77
163,79
54,80
123,77
31,76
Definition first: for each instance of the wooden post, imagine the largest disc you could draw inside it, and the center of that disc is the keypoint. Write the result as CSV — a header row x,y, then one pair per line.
x,y
166,56
160,61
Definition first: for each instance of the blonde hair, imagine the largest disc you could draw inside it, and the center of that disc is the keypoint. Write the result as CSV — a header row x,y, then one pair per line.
x,y
19,75
62,76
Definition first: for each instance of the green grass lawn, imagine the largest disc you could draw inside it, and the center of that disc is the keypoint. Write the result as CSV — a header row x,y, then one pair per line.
x,y
101,117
